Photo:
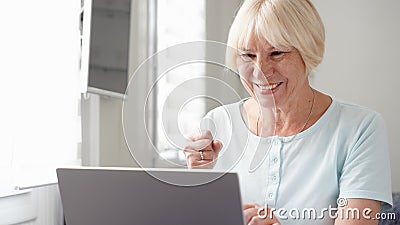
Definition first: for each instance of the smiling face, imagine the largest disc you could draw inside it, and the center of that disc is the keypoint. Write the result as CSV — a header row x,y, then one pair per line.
x,y
274,77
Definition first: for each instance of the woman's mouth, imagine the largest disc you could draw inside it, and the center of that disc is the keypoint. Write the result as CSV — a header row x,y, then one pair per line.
x,y
268,88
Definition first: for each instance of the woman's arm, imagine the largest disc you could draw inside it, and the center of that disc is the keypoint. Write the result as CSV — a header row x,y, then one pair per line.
x,y
358,211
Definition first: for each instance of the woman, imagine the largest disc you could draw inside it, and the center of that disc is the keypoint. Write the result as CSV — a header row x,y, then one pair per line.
x,y
299,153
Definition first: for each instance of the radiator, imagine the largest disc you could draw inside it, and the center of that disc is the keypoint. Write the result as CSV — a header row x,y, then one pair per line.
x,y
48,205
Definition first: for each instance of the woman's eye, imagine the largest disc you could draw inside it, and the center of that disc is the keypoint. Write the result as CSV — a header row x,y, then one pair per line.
x,y
276,53
247,56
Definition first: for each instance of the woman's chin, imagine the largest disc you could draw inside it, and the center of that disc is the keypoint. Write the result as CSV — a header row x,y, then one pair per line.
x,y
266,101
267,105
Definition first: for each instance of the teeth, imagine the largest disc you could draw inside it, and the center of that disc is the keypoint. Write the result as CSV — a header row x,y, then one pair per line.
x,y
268,87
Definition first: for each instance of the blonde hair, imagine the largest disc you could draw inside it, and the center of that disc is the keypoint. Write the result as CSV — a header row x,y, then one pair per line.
x,y
284,24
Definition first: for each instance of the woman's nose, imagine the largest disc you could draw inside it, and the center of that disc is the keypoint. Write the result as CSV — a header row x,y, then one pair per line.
x,y
263,69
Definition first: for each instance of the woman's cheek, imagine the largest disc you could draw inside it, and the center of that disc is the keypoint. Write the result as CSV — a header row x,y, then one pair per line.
x,y
248,87
245,71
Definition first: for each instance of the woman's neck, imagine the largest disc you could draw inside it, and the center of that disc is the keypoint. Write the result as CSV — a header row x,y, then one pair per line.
x,y
288,119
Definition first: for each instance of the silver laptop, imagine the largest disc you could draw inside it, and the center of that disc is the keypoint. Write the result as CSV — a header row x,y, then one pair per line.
x,y
115,196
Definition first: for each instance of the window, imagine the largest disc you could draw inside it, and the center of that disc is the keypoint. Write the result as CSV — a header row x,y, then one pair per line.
x,y
39,85
178,22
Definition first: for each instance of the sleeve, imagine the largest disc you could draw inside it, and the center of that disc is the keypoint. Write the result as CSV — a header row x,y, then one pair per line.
x,y
219,122
366,170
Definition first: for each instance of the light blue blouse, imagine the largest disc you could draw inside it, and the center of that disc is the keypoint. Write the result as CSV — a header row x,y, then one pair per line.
x,y
343,155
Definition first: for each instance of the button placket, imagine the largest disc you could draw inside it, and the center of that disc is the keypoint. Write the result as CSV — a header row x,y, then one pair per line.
x,y
273,172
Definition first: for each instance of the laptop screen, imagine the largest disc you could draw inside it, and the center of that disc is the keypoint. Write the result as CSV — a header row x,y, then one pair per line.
x,y
104,196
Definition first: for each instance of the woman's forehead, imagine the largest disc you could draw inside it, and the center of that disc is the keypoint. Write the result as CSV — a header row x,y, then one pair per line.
x,y
257,44
257,37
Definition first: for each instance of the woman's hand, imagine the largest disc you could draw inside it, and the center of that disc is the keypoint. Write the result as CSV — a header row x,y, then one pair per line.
x,y
202,151
257,215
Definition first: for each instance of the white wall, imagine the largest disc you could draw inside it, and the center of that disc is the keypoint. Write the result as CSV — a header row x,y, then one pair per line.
x,y
220,15
362,59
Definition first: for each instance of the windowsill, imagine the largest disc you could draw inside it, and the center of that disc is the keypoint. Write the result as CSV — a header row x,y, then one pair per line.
x,y
14,180
32,177
10,193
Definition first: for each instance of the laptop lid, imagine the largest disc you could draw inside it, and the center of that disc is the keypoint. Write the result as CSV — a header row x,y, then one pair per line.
x,y
104,196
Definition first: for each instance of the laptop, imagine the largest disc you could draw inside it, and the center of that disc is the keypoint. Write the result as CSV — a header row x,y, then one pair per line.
x,y
121,196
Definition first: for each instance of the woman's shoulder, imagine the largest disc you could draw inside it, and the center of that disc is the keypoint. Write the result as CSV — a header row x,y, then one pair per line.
x,y
352,113
353,109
